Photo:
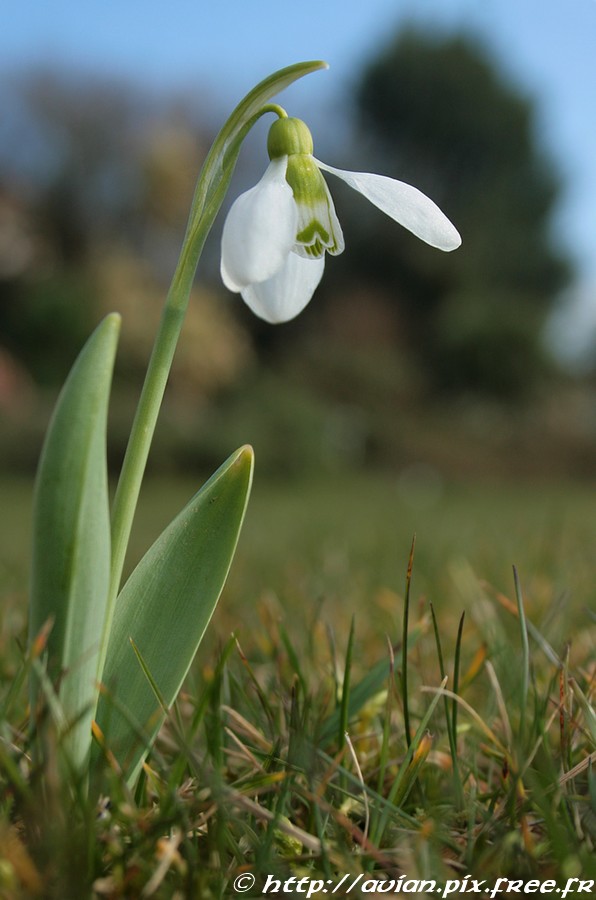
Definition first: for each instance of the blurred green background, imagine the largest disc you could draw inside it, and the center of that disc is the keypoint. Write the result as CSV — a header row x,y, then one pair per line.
x,y
418,391
406,355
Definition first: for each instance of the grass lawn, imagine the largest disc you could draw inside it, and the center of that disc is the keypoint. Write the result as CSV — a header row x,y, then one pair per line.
x,y
254,775
339,546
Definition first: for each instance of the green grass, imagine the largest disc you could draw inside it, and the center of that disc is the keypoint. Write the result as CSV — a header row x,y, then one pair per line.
x,y
253,772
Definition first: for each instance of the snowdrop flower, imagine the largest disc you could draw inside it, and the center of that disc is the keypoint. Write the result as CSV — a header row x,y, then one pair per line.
x,y
275,235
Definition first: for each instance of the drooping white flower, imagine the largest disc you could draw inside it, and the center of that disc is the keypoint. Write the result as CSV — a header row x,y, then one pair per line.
x,y
276,234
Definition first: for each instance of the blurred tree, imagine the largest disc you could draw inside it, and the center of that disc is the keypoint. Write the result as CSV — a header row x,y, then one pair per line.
x,y
67,168
213,352
434,112
94,172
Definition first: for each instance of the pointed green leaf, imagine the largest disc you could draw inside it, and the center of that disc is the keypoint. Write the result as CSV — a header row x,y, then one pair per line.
x,y
71,535
164,608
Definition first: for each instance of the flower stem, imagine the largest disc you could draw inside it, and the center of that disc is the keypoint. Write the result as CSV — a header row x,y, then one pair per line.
x,y
158,370
143,428
156,378
142,432
275,108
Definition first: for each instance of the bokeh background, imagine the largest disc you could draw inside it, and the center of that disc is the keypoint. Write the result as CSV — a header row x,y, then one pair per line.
x,y
415,382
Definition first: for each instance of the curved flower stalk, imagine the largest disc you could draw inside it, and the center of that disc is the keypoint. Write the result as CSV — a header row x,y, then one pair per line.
x,y
276,234
212,185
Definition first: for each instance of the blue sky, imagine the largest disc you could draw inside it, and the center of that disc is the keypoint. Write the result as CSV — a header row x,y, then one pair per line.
x,y
548,47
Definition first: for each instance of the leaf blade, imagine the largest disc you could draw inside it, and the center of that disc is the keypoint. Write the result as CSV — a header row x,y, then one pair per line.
x,y
71,534
165,607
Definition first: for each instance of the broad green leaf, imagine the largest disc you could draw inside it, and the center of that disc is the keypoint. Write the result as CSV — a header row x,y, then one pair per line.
x,y
163,610
71,536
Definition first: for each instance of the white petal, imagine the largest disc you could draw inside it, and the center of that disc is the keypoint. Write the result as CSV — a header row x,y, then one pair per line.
x,y
405,204
260,230
286,294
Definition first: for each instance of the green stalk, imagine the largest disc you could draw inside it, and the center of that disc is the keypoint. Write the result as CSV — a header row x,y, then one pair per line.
x,y
525,657
399,788
345,692
456,662
451,722
404,639
143,428
158,371
209,194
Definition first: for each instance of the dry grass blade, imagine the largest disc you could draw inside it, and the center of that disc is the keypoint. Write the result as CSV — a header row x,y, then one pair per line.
x,y
472,712
246,728
579,768
235,798
168,851
361,779
492,676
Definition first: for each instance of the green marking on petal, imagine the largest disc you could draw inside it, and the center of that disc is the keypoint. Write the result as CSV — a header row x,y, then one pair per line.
x,y
305,179
315,238
318,228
